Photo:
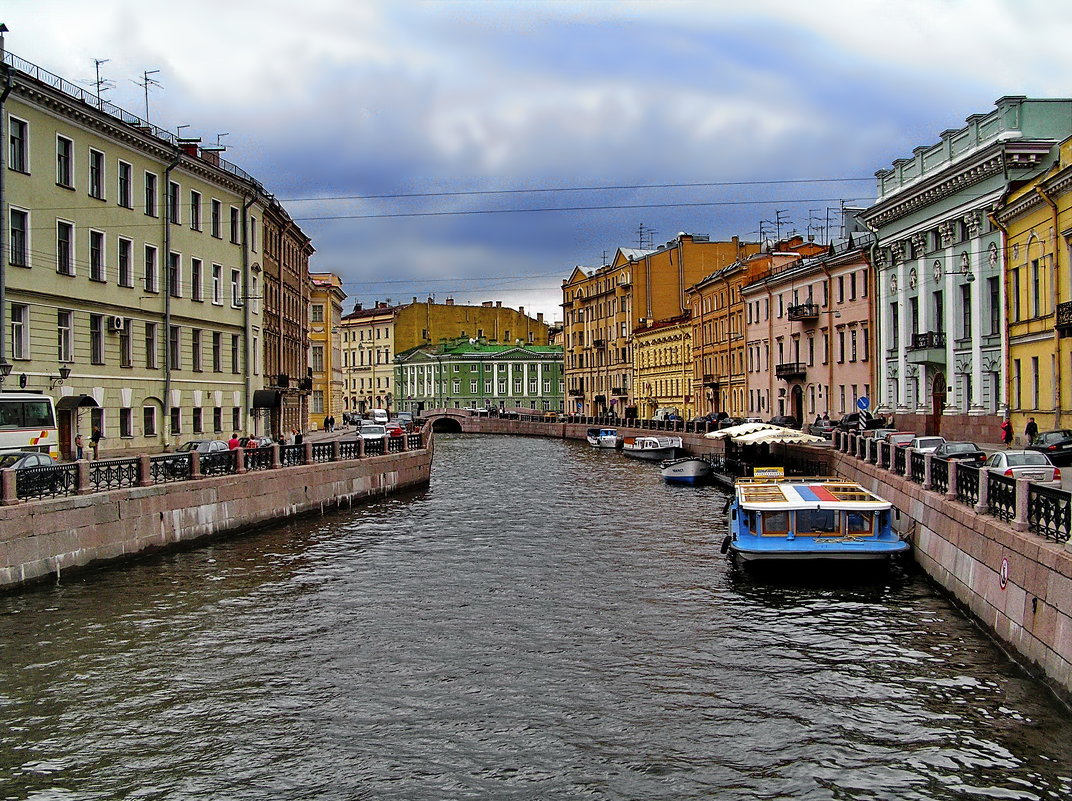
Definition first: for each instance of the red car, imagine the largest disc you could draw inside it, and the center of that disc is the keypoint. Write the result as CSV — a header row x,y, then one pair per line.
x,y
395,430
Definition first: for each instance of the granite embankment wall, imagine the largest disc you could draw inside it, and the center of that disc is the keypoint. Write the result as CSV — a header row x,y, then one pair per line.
x,y
1017,584
45,537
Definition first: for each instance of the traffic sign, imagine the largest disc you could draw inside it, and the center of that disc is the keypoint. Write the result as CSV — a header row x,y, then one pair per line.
x,y
863,404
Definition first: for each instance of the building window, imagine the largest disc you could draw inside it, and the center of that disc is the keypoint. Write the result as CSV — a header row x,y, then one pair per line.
x,y
317,315
195,210
852,345
235,361
217,284
217,352
994,291
152,280
966,311
96,339
150,346
317,358
126,186
236,418
126,346
234,225
175,275
64,162
318,401
215,212
150,194
148,418
96,174
18,136
175,347
126,423
176,420
96,256
126,269
199,421
236,288
1036,293
174,204
253,234
20,331
217,419
196,269
195,344
20,238
64,248
64,326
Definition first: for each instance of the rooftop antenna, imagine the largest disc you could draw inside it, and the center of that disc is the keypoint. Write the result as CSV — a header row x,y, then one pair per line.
x,y
645,237
604,258
101,84
781,217
146,81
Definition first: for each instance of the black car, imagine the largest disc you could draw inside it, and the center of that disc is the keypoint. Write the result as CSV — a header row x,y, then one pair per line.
x,y
960,451
851,422
43,474
1056,444
784,420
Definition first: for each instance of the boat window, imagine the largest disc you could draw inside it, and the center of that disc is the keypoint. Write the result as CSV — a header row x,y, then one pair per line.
x,y
775,522
859,522
818,521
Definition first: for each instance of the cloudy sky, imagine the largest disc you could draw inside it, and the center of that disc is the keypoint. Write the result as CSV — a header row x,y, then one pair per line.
x,y
414,140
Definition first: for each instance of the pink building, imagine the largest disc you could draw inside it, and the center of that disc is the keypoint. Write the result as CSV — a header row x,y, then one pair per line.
x,y
808,334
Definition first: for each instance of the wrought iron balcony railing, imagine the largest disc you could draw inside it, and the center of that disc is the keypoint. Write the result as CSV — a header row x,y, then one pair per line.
x,y
804,311
1064,315
790,369
931,339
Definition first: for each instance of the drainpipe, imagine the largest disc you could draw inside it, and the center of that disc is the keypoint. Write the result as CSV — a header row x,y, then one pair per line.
x,y
1055,271
246,320
1005,299
874,318
166,267
4,221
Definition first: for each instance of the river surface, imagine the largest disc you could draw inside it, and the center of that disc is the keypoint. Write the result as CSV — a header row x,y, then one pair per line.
x,y
546,621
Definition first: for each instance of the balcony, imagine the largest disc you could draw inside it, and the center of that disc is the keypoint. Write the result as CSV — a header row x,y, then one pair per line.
x,y
599,343
620,392
576,393
807,312
709,380
790,370
928,348
1064,317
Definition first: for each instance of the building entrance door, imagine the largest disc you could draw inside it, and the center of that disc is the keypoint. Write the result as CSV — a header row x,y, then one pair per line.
x,y
934,420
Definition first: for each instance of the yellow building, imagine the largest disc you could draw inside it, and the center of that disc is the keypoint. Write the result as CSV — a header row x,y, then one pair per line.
x,y
1038,303
372,338
662,367
325,349
133,262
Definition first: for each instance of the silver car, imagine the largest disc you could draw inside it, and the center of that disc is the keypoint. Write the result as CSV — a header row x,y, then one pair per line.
x,y
926,444
372,431
1031,465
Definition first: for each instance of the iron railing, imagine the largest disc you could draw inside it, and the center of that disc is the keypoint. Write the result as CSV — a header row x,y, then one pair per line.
x,y
220,463
917,469
394,445
48,481
113,474
1064,315
1000,495
1049,512
170,467
374,447
291,455
939,475
323,452
899,461
258,459
930,339
968,484
348,448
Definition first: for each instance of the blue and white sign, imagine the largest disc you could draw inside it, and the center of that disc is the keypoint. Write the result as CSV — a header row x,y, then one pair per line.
x,y
863,404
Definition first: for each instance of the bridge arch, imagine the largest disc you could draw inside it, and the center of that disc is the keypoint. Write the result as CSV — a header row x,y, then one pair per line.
x,y
445,421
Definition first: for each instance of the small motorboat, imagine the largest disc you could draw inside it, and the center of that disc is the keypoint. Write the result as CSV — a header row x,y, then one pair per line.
x,y
653,449
603,438
690,470
780,519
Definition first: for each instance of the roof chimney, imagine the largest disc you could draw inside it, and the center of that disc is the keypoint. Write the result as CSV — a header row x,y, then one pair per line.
x,y
539,317
498,304
520,309
357,307
450,301
487,304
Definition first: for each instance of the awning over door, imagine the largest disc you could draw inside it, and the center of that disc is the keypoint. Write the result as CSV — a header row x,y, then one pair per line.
x,y
267,399
76,402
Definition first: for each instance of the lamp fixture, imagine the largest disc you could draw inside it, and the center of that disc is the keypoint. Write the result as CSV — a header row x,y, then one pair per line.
x,y
5,369
56,380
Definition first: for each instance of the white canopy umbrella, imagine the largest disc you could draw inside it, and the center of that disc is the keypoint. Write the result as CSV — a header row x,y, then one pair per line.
x,y
738,430
781,435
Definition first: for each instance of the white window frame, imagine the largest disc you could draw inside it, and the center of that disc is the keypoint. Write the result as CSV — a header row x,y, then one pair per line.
x,y
124,199
217,284
70,248
96,165
94,266
27,233
64,336
151,278
20,331
24,147
69,182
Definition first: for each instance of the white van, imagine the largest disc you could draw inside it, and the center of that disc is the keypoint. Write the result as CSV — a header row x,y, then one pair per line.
x,y
378,416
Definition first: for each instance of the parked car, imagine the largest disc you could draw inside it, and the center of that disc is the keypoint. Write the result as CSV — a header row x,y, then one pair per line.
x,y
373,431
1024,464
211,453
40,482
1057,445
202,446
785,420
823,428
404,418
851,422
395,430
900,439
880,434
255,442
926,444
960,451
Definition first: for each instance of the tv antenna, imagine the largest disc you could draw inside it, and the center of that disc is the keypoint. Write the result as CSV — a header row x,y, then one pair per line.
x,y
100,84
146,81
645,237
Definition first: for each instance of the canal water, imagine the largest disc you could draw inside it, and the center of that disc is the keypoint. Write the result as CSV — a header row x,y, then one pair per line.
x,y
546,621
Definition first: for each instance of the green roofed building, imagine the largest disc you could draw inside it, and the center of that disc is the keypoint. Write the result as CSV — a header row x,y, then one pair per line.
x,y
477,374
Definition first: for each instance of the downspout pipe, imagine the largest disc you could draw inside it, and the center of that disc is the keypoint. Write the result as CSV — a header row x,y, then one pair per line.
x,y
246,317
1005,302
4,221
1055,287
166,268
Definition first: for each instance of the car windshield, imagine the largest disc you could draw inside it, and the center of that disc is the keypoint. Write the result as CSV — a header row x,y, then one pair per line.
x,y
960,447
1018,459
188,446
901,437
930,442
1054,436
9,459
380,430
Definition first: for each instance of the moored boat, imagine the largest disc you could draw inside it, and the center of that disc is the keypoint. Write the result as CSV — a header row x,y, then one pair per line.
x,y
603,437
690,470
779,519
655,449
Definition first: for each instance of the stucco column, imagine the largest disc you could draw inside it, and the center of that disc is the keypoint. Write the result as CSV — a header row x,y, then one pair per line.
x,y
1019,521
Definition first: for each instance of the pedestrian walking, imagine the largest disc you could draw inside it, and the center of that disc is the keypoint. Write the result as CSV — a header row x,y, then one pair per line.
x,y
1006,432
1031,431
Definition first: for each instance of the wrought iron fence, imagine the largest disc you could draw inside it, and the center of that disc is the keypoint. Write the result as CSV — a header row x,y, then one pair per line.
x,y
899,461
323,452
259,459
1000,495
374,447
113,474
290,455
968,484
170,467
939,475
348,448
415,443
917,469
394,445
220,463
884,457
48,481
1049,512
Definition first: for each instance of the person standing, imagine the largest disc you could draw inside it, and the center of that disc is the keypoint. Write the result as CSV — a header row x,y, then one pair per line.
x,y
79,451
1006,432
1031,431
233,442
94,440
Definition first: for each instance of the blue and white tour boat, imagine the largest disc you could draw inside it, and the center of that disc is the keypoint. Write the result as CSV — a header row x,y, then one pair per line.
x,y
604,438
653,449
780,519
689,470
